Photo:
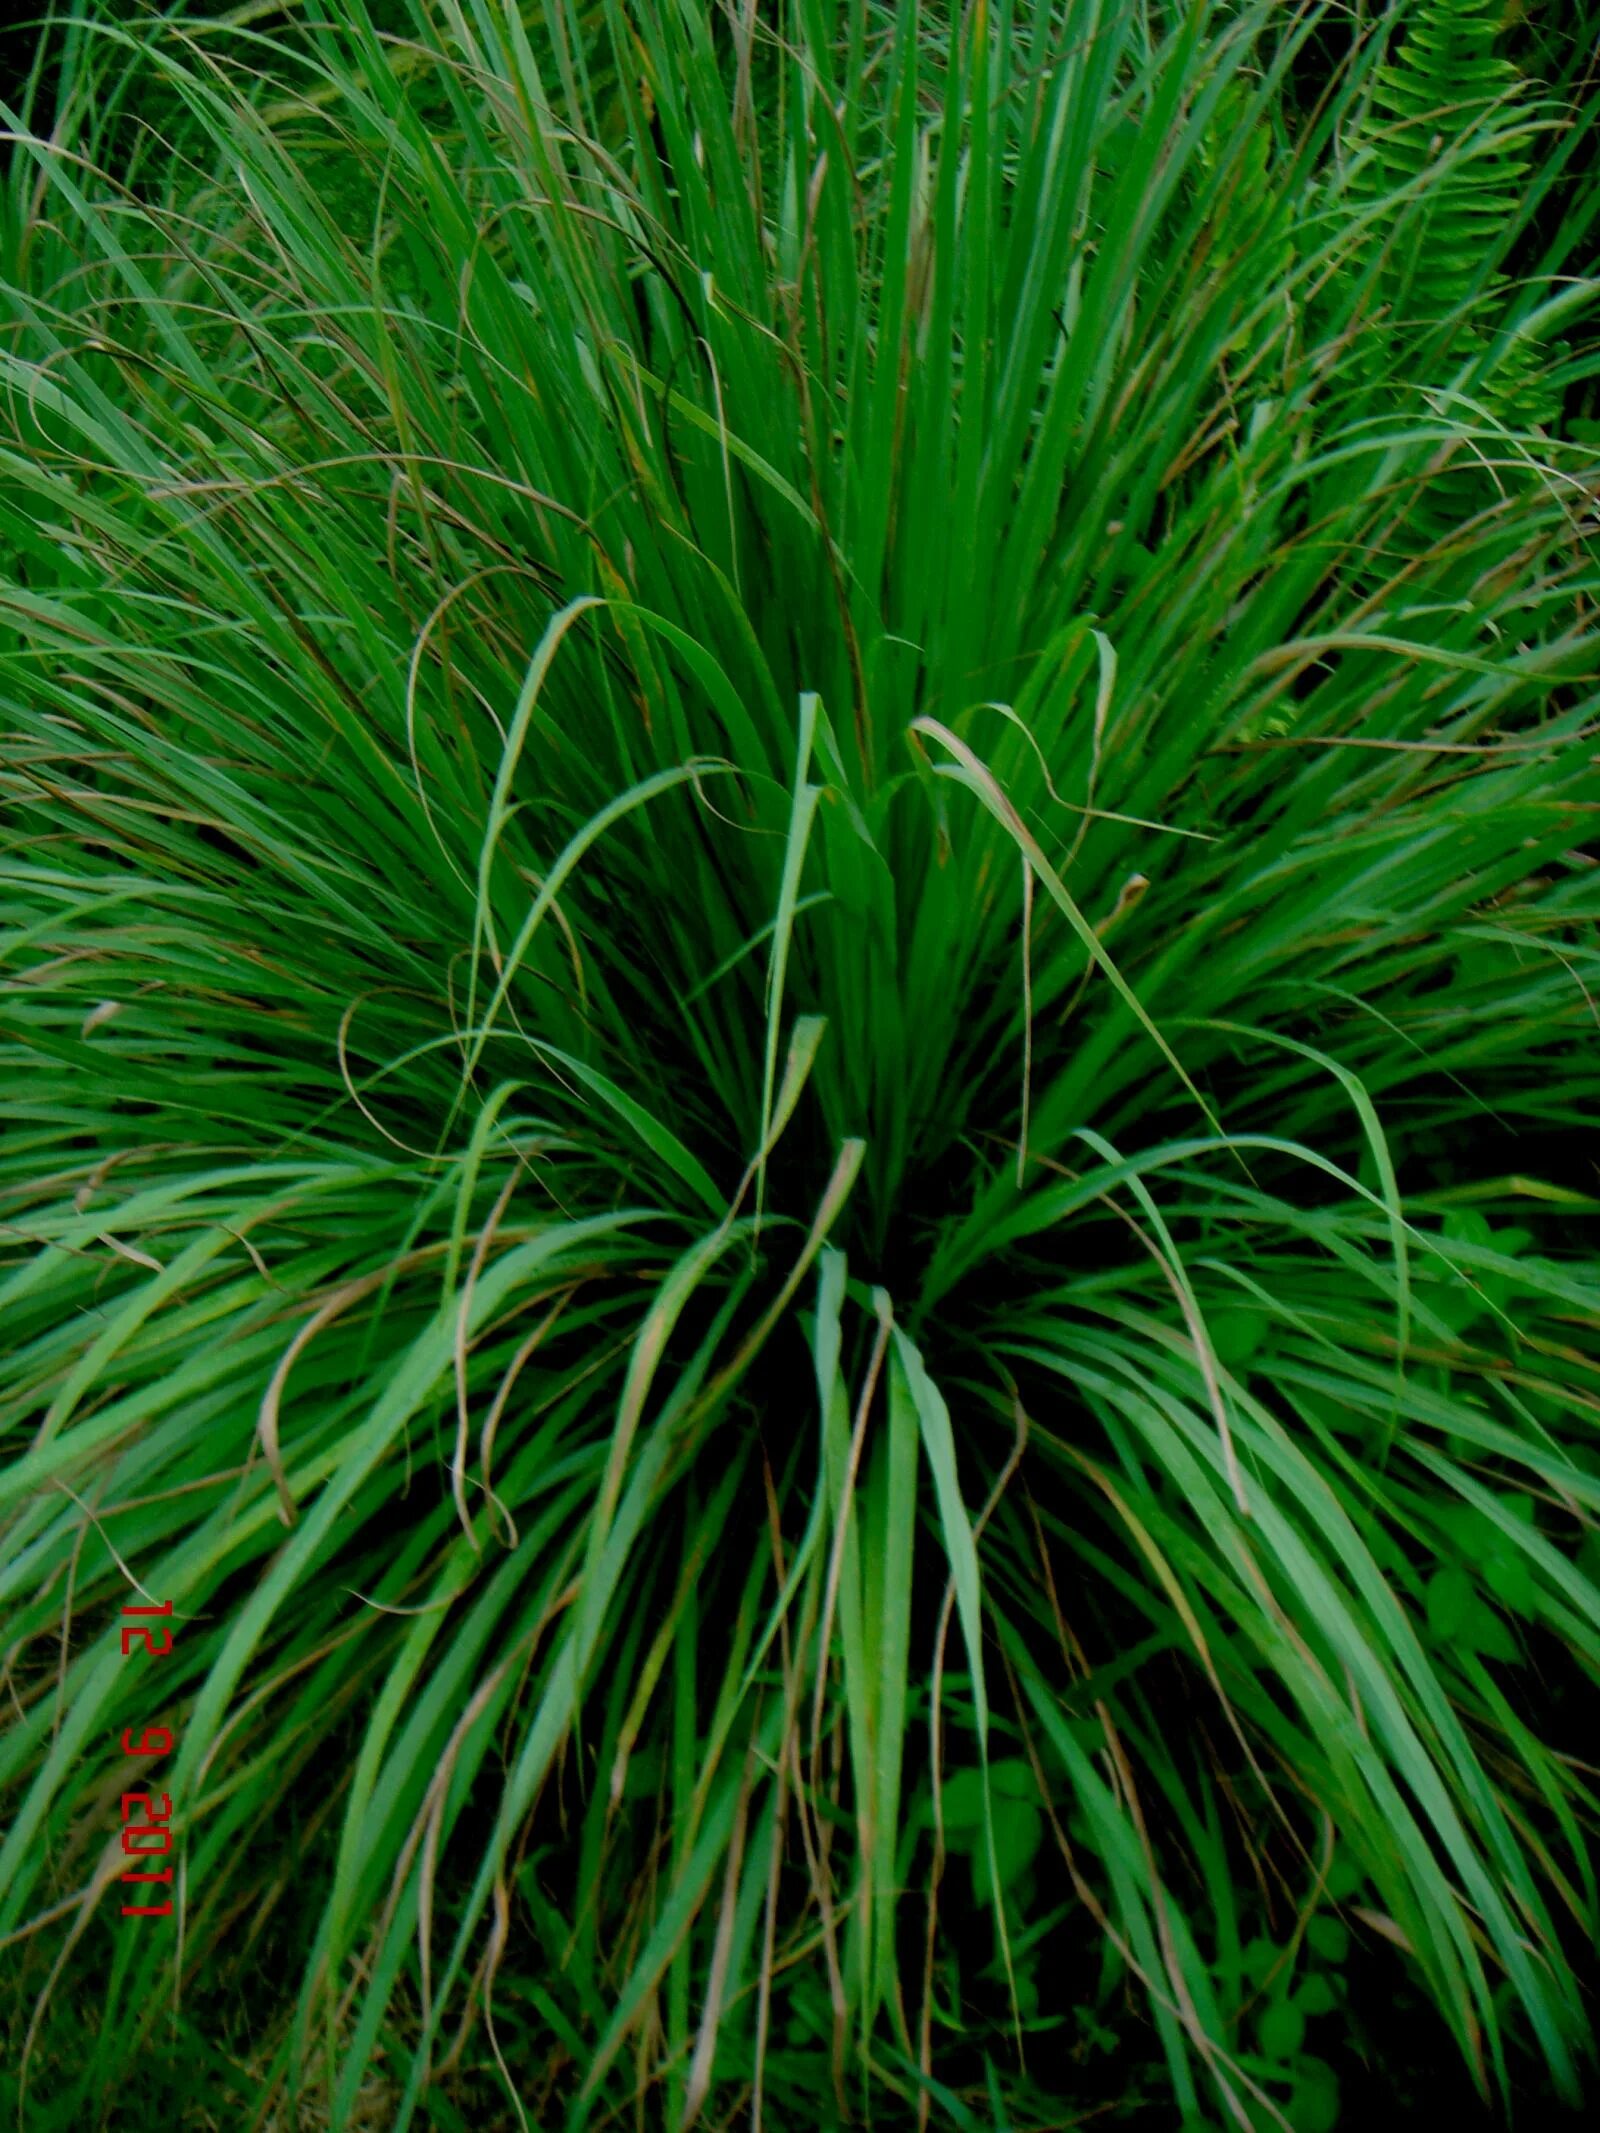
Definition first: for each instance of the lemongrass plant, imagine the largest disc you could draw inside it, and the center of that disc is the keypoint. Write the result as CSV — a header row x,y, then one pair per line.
x,y
800,1019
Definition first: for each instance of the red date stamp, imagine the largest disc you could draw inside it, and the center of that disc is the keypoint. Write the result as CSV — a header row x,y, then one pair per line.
x,y
146,1835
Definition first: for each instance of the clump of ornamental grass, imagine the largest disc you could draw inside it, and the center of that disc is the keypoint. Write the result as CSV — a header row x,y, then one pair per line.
x,y
799,1058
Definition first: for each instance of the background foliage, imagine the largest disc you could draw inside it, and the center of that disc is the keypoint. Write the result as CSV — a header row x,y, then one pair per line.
x,y
799,1053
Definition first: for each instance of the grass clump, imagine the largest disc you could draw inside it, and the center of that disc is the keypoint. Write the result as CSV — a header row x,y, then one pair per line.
x,y
798,1058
